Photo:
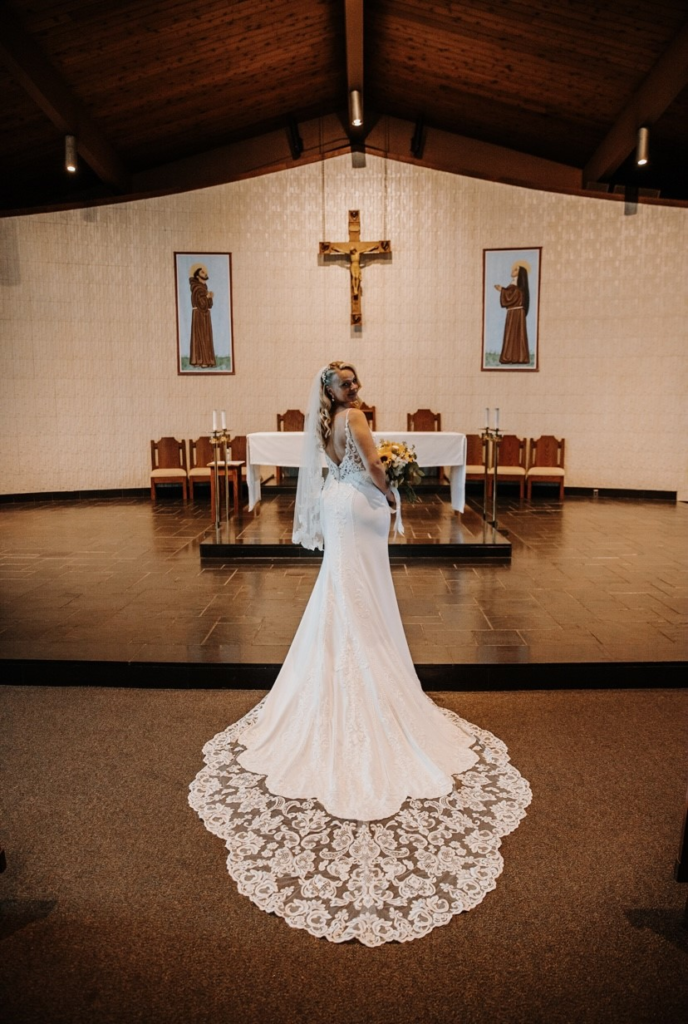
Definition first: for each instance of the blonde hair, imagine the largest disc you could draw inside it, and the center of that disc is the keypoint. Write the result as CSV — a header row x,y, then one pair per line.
x,y
327,403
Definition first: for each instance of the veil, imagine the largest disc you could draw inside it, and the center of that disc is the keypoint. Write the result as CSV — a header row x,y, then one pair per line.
x,y
307,529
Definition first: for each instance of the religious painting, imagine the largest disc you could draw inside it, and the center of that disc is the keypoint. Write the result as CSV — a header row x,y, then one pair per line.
x,y
205,336
511,305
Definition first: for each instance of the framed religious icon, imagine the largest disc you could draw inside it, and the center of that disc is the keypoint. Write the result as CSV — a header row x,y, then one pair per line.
x,y
511,304
205,335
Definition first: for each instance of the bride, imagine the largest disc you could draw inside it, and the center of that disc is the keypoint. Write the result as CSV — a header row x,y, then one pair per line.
x,y
351,804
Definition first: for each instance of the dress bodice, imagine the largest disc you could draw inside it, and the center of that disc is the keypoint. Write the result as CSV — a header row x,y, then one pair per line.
x,y
352,464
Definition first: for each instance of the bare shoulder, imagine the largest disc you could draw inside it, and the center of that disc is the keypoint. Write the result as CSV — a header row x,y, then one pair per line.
x,y
357,418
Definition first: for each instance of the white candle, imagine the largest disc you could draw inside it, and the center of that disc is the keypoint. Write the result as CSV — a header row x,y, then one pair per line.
x,y
224,421
496,419
214,419
487,419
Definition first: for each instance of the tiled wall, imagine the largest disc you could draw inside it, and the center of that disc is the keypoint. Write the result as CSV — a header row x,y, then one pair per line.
x,y
89,327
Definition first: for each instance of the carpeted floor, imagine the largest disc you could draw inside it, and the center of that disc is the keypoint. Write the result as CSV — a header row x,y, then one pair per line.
x,y
117,907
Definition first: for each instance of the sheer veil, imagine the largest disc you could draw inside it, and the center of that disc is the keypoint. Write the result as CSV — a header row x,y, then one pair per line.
x,y
307,527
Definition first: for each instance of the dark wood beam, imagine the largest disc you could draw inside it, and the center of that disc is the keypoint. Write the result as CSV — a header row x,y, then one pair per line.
x,y
353,20
665,81
34,72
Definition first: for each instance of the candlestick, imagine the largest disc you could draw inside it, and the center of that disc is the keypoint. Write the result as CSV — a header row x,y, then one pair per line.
x,y
214,420
223,420
487,419
496,419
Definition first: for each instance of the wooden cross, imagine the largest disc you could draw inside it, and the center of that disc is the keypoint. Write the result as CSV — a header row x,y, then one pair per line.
x,y
354,249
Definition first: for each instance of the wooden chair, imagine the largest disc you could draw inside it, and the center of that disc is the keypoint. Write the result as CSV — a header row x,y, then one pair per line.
x,y
476,454
292,419
201,454
512,462
235,467
424,419
546,464
168,464
369,412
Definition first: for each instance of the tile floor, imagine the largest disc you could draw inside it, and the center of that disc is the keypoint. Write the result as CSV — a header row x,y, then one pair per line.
x,y
120,579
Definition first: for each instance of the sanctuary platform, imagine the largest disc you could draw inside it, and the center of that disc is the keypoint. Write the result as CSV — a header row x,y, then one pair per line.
x,y
432,529
110,591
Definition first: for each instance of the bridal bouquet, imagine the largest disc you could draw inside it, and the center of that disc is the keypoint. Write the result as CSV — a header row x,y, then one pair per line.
x,y
401,467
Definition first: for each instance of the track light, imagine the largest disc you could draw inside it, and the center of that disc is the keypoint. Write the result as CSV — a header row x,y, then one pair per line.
x,y
642,148
355,108
70,153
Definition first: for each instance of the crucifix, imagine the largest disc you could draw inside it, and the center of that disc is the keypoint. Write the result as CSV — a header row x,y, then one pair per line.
x,y
354,249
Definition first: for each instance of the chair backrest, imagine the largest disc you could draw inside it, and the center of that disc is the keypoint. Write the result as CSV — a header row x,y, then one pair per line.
x,y
369,411
512,451
237,446
424,419
201,452
475,450
547,451
168,453
292,419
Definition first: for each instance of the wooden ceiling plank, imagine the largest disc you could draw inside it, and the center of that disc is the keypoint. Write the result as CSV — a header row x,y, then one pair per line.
x,y
617,23
353,20
660,88
554,37
48,90
584,54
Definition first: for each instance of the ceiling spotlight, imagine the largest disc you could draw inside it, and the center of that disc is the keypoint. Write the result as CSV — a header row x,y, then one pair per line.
x,y
70,153
642,148
356,108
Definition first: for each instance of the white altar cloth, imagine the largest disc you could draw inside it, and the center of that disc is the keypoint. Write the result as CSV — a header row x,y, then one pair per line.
x,y
283,448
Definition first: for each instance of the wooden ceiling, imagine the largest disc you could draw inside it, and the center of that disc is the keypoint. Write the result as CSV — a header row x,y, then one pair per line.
x,y
167,94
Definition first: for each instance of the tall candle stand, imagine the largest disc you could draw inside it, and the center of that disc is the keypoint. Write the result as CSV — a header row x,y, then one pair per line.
x,y
220,439
491,436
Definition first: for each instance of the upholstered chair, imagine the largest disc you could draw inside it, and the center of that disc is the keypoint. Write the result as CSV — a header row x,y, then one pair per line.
x,y
546,464
168,464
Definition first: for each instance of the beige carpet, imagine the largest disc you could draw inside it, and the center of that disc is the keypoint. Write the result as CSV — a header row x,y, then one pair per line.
x,y
116,904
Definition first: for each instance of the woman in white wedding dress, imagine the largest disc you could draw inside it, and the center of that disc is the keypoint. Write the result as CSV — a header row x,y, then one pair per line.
x,y
351,804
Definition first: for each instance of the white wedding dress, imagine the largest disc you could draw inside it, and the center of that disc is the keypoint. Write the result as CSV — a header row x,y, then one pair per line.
x,y
336,795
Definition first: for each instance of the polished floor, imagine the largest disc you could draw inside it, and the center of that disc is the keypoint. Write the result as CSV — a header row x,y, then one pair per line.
x,y
595,582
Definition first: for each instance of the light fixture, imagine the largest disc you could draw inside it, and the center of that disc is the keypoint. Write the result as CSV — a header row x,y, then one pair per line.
x,y
356,108
70,153
642,148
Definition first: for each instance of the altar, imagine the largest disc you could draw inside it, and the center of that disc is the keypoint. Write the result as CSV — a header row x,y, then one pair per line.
x,y
283,448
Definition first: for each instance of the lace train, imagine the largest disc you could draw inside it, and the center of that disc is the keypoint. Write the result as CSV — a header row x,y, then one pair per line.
x,y
378,881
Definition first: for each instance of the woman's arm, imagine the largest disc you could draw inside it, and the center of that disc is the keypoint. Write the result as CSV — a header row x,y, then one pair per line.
x,y
360,431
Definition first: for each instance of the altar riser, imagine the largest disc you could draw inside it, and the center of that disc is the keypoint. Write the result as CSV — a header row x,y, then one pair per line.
x,y
501,550
455,678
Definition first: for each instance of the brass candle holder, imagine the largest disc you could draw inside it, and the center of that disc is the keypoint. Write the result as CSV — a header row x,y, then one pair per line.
x,y
219,439
492,438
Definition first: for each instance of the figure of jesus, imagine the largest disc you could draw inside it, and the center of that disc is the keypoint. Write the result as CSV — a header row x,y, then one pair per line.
x,y
354,248
355,268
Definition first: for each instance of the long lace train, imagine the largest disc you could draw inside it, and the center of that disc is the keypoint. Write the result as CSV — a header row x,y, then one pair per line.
x,y
374,881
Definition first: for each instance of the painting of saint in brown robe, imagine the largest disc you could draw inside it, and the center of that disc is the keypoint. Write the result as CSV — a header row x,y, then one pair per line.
x,y
515,298
202,352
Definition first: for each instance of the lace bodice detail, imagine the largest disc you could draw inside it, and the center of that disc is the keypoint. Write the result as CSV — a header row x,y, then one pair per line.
x,y
352,464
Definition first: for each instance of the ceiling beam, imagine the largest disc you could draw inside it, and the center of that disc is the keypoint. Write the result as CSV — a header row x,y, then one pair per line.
x,y
664,82
46,87
353,20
